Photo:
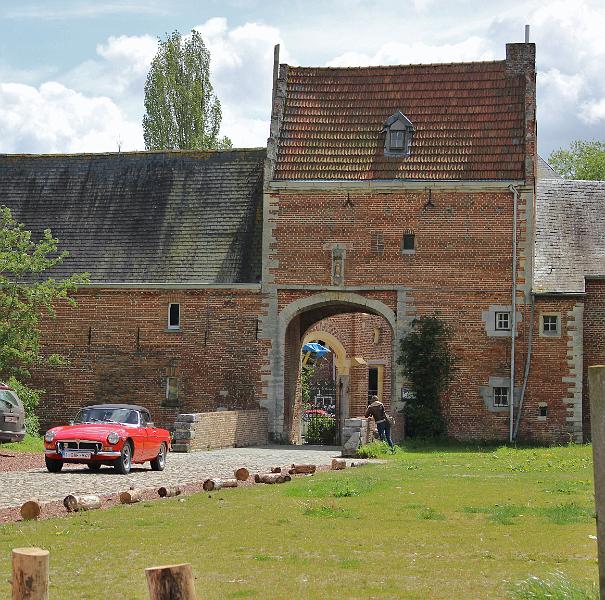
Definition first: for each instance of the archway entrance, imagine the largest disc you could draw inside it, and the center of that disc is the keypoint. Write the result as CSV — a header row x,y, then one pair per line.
x,y
361,334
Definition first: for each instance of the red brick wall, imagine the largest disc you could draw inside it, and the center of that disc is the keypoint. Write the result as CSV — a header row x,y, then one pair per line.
x,y
215,354
594,337
461,266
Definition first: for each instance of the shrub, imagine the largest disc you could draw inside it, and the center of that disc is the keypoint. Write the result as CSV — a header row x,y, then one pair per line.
x,y
374,449
321,430
30,398
428,364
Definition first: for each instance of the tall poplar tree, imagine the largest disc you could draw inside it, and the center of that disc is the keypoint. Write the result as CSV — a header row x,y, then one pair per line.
x,y
181,110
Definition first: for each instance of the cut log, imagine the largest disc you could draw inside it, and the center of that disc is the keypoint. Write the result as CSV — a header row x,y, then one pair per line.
x,y
272,478
276,469
169,492
30,574
131,496
171,582
85,502
30,510
212,485
338,464
298,469
242,474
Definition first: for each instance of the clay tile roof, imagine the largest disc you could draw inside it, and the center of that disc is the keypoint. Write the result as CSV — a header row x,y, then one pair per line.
x,y
570,234
144,217
468,120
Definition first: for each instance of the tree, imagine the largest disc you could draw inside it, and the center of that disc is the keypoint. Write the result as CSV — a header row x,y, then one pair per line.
x,y
583,160
428,364
25,295
181,109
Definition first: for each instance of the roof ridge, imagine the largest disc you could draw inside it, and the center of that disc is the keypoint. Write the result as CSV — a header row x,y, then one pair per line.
x,y
358,68
130,153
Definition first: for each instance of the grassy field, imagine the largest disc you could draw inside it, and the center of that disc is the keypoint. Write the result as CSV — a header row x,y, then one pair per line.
x,y
31,443
435,522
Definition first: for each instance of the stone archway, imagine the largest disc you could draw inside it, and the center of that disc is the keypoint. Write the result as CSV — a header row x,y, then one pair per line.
x,y
293,321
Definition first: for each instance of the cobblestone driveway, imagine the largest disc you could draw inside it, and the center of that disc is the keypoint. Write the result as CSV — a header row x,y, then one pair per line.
x,y
18,486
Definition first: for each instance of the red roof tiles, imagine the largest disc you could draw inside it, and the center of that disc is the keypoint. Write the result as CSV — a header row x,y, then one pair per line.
x,y
468,120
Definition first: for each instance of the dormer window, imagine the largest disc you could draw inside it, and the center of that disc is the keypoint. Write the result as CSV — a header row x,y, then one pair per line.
x,y
399,132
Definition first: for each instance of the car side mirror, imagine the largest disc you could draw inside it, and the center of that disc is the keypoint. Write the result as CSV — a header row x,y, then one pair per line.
x,y
71,422
150,424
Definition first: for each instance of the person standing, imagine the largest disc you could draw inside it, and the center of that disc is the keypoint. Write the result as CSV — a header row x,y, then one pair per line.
x,y
376,410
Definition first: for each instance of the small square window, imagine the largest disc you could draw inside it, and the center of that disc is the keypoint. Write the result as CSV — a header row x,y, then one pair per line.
x,y
396,142
174,316
408,242
550,324
502,321
172,390
501,395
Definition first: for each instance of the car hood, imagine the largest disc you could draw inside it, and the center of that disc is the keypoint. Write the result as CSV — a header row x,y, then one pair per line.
x,y
89,431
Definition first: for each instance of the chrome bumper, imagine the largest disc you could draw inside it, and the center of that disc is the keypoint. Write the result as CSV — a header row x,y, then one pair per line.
x,y
102,454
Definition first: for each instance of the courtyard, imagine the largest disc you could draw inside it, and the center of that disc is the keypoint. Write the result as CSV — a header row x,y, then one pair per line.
x,y
435,521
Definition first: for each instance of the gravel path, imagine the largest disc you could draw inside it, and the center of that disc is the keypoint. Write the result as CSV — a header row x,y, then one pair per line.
x,y
181,469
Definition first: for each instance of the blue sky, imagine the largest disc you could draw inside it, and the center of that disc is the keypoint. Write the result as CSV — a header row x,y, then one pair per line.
x,y
72,71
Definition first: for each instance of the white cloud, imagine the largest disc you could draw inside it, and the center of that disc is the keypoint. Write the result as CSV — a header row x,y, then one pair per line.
x,y
473,48
594,111
53,118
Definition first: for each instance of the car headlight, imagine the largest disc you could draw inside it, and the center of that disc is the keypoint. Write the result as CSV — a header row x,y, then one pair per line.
x,y
49,436
113,438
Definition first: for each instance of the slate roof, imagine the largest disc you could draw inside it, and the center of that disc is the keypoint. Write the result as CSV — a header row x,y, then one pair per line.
x,y
468,120
151,217
570,234
545,171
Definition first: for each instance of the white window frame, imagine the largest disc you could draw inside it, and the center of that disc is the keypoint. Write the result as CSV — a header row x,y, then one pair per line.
x,y
178,325
500,403
549,332
498,324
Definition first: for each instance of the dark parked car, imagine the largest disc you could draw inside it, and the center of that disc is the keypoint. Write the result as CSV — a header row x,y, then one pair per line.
x,y
12,415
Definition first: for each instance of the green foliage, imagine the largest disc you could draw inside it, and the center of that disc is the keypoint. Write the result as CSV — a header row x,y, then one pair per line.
x,y
306,374
556,587
181,109
376,449
428,364
31,443
25,294
583,160
30,398
321,430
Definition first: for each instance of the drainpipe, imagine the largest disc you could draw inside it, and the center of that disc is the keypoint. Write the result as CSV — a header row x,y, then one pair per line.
x,y
513,328
527,365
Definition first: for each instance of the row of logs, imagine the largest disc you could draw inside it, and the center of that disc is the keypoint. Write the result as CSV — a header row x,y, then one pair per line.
x,y
78,502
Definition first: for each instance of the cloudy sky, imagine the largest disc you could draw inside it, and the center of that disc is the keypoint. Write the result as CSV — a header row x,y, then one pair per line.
x,y
72,72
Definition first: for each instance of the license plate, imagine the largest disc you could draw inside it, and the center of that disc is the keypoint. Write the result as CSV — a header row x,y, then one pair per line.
x,y
76,454
11,419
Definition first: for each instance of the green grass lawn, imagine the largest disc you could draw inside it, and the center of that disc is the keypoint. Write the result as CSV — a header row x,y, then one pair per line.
x,y
31,443
435,522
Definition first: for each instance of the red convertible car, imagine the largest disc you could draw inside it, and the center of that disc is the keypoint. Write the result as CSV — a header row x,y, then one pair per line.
x,y
108,434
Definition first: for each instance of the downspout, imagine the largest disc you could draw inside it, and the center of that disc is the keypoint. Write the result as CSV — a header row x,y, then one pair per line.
x,y
513,328
527,364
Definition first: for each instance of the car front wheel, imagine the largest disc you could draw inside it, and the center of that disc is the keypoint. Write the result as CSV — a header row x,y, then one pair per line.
x,y
124,463
159,462
53,465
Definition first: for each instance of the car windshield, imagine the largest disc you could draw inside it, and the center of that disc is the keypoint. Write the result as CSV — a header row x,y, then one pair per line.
x,y
125,416
9,399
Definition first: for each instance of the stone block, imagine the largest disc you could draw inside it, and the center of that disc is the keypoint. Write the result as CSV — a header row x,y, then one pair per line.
x,y
183,434
188,418
181,447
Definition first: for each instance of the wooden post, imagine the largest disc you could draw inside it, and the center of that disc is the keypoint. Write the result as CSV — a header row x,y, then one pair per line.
x,y
171,582
596,382
242,474
30,574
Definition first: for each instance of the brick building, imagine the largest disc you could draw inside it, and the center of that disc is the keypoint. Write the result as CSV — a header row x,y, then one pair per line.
x,y
384,193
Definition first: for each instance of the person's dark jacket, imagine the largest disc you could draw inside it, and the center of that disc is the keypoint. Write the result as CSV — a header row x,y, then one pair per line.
x,y
376,410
